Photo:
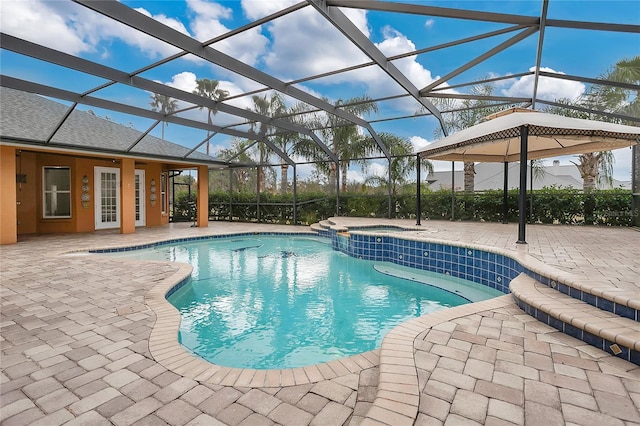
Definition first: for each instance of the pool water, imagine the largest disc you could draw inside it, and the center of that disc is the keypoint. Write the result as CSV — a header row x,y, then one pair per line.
x,y
268,302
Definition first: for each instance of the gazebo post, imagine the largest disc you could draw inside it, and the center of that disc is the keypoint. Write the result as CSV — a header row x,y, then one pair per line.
x,y
505,195
453,190
522,205
418,191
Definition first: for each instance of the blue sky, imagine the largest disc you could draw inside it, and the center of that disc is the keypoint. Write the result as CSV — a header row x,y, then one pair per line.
x,y
302,44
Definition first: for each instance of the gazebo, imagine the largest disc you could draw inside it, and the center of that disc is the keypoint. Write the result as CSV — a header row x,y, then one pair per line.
x,y
521,135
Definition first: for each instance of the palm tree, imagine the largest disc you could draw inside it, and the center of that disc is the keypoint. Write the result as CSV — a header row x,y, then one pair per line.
x,y
237,151
466,113
594,167
292,143
615,99
597,167
209,89
343,138
270,106
402,164
165,105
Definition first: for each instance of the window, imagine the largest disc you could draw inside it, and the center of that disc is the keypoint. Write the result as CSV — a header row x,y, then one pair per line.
x,y
163,192
57,192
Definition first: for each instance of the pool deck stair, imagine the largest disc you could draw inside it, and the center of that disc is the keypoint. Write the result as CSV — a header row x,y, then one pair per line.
x,y
398,397
325,225
601,328
601,315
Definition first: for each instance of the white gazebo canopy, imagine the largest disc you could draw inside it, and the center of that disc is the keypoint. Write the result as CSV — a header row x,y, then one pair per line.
x,y
520,135
549,135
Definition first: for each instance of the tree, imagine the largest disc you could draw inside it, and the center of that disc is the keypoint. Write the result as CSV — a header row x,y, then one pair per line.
x,y
614,99
458,115
402,164
597,167
269,106
292,143
343,138
237,151
209,89
165,105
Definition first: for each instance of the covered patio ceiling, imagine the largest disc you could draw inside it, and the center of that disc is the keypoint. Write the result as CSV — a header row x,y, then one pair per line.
x,y
100,83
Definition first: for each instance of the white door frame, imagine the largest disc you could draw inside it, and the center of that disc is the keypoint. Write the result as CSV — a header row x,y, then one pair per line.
x,y
107,215
140,199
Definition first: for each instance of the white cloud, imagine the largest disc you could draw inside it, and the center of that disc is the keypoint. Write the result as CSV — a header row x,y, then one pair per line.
x,y
185,81
295,50
419,143
41,22
206,24
74,29
548,88
396,43
355,176
359,19
429,23
99,29
256,9
376,169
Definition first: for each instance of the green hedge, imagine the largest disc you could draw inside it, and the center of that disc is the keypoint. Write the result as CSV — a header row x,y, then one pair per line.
x,y
550,205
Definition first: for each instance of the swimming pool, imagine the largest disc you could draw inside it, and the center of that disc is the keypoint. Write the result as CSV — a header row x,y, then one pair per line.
x,y
269,302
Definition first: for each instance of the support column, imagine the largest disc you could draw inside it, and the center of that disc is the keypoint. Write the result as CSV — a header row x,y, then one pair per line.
x,y
522,204
635,185
8,196
295,194
453,190
127,196
338,189
505,195
418,191
202,200
389,193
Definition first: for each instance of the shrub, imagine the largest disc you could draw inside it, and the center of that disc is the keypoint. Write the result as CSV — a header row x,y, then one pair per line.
x,y
550,205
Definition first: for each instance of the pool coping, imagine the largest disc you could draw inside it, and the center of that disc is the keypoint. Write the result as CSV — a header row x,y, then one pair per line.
x,y
167,351
394,354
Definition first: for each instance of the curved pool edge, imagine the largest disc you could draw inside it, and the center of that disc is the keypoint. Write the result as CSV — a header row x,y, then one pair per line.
x,y
168,352
398,343
398,379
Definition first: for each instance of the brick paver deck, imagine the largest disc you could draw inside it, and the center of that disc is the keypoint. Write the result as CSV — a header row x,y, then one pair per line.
x,y
75,333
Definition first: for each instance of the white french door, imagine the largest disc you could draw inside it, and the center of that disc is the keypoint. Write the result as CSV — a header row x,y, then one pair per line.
x,y
139,198
107,197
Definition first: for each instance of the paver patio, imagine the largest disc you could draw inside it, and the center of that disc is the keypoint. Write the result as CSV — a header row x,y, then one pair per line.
x,y
75,336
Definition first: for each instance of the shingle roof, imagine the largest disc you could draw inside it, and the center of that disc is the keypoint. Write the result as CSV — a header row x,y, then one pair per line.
x,y
29,117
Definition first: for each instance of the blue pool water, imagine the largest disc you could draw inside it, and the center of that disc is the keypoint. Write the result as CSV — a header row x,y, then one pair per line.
x,y
279,302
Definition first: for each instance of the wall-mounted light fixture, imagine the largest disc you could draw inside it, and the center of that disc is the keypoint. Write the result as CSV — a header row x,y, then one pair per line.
x,y
152,192
85,197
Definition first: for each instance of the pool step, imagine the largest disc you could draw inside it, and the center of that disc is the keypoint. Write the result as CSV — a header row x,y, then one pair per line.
x,y
317,227
325,225
605,330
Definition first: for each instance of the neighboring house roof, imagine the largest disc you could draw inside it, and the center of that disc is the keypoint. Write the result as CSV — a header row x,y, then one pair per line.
x,y
491,176
26,117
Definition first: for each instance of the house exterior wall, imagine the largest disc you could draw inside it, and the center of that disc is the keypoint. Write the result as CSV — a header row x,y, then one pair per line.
x,y
21,196
26,192
8,200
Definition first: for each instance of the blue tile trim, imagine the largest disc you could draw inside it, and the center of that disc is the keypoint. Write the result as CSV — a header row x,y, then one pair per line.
x,y
191,239
627,354
177,287
482,267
